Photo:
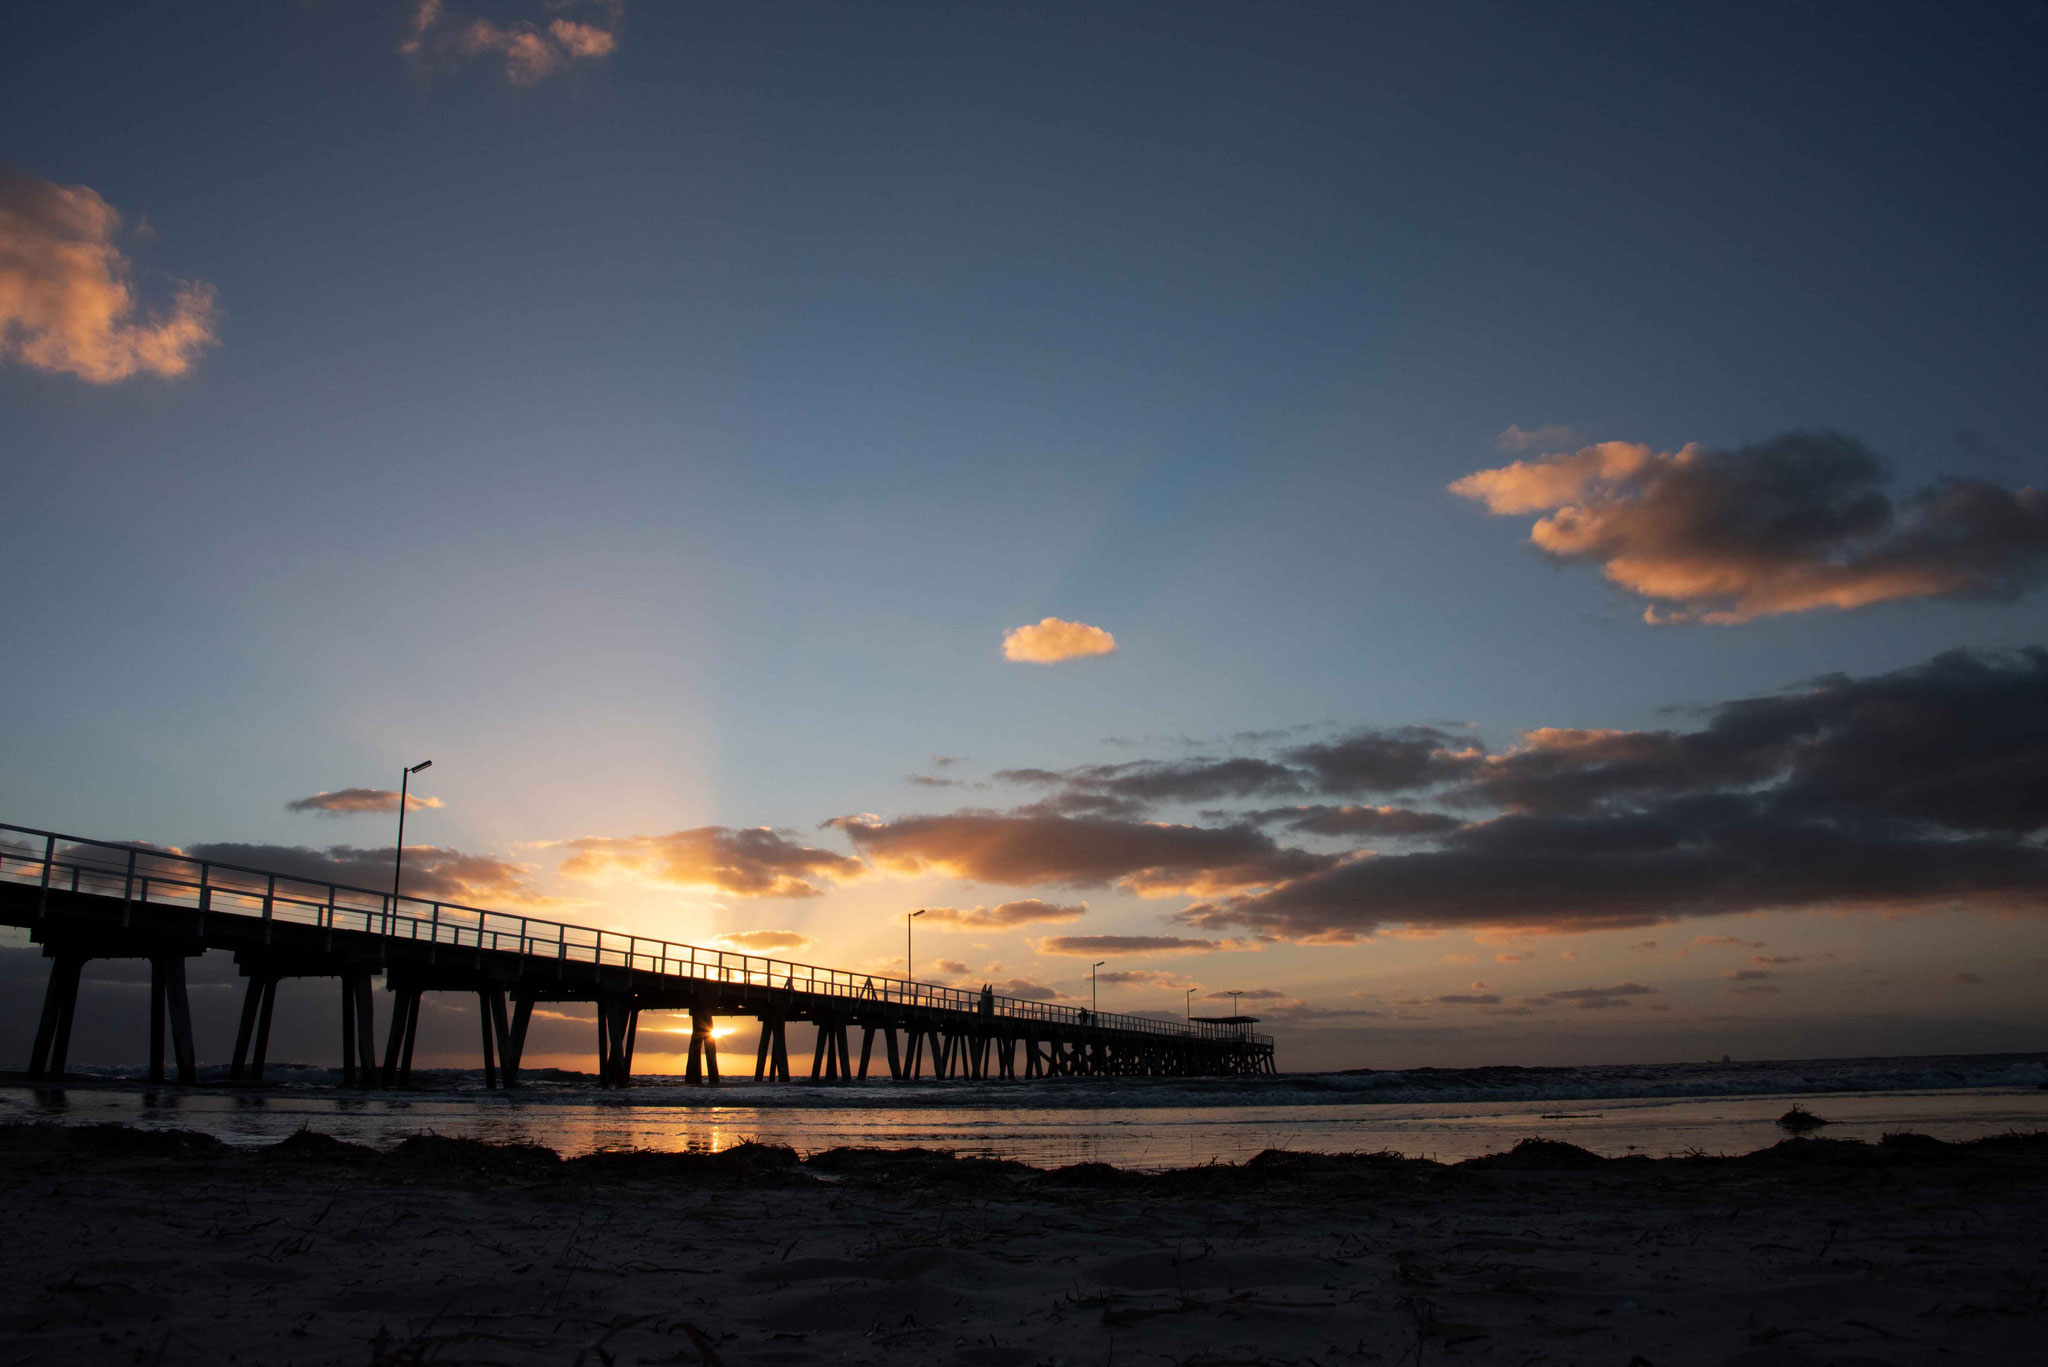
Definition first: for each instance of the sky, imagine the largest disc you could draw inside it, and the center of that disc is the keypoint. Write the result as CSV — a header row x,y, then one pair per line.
x,y
1501,534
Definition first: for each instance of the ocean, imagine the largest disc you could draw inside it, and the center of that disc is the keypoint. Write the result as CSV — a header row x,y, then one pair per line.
x,y
1442,1113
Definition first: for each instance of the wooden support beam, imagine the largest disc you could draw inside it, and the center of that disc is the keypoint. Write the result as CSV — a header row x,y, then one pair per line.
x,y
490,1048
895,1054
867,1049
515,1038
262,1046
156,1020
780,1058
179,1004
252,998
761,1048
53,1034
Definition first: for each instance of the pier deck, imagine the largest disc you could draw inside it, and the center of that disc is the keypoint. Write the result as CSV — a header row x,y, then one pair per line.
x,y
83,899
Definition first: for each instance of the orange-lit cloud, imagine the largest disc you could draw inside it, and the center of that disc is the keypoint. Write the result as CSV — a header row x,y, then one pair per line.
x,y
1025,912
767,941
1052,639
1794,524
529,50
354,801
746,863
1080,946
67,297
1022,850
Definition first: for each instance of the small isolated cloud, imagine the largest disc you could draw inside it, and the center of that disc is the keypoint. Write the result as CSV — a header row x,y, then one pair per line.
x,y
1599,998
67,295
1469,999
355,801
952,968
1644,946
766,941
1052,639
1967,979
1708,941
1793,524
1083,945
1024,912
1252,994
1552,435
1769,959
746,863
1143,977
930,781
1748,975
528,49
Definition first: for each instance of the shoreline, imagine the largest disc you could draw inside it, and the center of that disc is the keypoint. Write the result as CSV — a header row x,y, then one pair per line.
x,y
162,1246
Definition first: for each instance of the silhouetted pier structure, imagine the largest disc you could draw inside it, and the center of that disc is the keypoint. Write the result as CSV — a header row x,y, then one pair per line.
x,y
86,899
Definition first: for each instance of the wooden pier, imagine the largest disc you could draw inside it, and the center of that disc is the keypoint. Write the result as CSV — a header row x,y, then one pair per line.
x,y
85,899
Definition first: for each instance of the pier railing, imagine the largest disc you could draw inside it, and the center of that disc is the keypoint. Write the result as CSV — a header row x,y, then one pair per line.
x,y
144,874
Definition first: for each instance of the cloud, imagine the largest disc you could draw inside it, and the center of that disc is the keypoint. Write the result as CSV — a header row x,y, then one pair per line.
x,y
1552,435
1363,822
355,801
1769,959
767,941
1142,977
757,862
67,296
1029,990
1522,957
1385,761
1149,781
1748,975
431,871
1967,979
1704,941
1024,850
1793,524
930,781
1644,946
1081,946
952,968
1601,998
529,50
1052,639
1252,994
1470,999
1025,912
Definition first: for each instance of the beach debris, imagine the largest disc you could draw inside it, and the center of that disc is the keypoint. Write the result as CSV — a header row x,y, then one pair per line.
x,y
1538,1155
1799,1119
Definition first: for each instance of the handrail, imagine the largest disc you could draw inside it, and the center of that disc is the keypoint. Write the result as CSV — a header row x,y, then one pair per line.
x,y
441,922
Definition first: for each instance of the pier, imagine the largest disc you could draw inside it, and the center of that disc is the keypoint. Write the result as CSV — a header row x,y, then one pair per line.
x,y
83,899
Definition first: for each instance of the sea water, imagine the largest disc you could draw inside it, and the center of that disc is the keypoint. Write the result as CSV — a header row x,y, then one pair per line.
x,y
1443,1113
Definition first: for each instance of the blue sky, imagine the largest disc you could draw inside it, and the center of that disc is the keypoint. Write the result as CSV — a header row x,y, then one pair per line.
x,y
667,439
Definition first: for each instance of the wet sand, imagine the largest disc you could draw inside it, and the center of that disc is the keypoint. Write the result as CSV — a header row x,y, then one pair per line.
x,y
166,1247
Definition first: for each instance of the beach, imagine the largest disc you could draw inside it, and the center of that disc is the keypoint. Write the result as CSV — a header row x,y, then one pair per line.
x,y
171,1247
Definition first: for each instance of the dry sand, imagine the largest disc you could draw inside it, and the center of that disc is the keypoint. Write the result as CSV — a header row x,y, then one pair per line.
x,y
126,1246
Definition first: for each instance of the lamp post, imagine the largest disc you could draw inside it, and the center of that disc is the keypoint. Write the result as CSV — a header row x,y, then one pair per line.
x,y
398,855
1187,1005
908,973
1093,1009
1233,1004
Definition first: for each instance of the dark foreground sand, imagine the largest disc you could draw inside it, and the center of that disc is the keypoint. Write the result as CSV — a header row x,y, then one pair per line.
x,y
124,1246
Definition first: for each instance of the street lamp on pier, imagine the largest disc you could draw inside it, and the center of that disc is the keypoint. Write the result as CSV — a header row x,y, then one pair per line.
x,y
398,855
909,916
1187,1005
1093,1008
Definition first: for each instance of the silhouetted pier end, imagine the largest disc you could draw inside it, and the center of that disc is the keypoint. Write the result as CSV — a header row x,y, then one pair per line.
x,y
84,899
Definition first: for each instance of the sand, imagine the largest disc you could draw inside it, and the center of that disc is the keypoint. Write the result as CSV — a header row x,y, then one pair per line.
x,y
129,1246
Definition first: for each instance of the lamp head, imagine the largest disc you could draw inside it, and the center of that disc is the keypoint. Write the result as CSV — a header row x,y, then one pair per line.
x,y
918,912
423,764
